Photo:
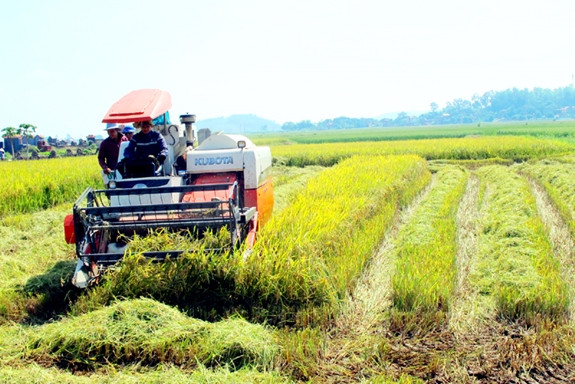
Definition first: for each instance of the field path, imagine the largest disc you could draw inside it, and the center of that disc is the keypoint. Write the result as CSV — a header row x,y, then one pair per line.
x,y
466,306
362,313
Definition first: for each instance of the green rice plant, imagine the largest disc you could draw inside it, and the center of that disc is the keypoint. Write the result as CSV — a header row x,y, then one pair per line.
x,y
425,274
516,264
558,179
149,332
468,148
37,185
310,255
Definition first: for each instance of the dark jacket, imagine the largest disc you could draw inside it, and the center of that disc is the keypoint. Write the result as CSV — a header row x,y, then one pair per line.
x,y
109,150
142,145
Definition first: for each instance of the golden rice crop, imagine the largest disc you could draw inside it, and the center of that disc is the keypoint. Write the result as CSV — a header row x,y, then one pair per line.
x,y
425,273
471,148
515,262
311,253
34,185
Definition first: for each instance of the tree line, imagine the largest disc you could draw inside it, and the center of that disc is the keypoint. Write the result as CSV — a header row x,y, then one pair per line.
x,y
508,105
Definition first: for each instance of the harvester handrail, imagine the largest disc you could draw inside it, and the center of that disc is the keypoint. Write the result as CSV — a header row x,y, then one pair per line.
x,y
82,197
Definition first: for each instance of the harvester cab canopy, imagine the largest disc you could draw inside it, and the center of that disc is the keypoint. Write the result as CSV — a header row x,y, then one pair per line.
x,y
139,105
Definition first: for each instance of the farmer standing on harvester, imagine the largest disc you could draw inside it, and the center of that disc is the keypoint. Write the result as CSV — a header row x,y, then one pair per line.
x,y
110,148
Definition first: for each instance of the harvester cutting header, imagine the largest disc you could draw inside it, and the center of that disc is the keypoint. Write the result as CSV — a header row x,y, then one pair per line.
x,y
223,182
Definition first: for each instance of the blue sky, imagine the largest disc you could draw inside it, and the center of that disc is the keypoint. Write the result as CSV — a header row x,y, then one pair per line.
x,y
64,63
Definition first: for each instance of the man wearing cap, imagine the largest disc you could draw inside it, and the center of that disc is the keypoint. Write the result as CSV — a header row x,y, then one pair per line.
x,y
110,148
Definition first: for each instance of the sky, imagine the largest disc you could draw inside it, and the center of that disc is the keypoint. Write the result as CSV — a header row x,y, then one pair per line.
x,y
65,62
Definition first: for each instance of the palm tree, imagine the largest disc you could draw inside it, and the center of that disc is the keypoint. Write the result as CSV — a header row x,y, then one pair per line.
x,y
27,131
8,133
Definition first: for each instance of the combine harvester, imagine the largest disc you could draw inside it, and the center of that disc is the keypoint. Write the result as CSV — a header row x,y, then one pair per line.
x,y
224,182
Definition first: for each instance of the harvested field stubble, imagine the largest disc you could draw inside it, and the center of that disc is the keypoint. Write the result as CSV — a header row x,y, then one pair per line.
x,y
35,266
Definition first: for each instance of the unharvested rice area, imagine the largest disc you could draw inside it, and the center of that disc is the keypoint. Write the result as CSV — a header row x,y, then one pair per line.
x,y
313,252
470,148
41,184
289,181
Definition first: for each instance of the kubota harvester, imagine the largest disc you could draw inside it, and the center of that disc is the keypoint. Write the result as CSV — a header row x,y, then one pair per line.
x,y
225,181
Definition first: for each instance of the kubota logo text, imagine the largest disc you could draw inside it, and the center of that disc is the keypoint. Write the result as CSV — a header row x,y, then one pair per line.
x,y
213,160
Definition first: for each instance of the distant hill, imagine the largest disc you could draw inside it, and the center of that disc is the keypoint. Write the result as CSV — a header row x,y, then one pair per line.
x,y
239,124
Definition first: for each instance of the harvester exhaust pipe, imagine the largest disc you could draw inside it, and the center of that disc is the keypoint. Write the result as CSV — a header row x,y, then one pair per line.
x,y
188,120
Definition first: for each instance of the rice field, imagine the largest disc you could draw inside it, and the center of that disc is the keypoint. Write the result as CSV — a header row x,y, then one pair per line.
x,y
515,148
343,209
558,178
41,184
514,247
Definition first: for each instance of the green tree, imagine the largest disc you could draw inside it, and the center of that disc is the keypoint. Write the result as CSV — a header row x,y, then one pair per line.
x,y
27,130
10,132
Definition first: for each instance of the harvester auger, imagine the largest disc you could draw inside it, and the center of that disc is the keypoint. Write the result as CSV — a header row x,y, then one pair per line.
x,y
225,181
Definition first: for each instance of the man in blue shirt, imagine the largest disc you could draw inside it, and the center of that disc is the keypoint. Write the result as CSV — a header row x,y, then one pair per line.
x,y
146,151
